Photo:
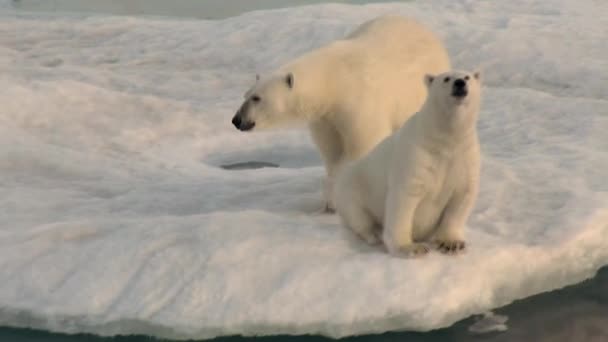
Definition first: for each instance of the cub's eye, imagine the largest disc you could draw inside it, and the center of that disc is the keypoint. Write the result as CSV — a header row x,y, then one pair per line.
x,y
255,98
446,80
466,78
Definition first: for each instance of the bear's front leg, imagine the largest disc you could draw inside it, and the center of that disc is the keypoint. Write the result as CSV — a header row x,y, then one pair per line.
x,y
329,143
401,205
328,187
449,237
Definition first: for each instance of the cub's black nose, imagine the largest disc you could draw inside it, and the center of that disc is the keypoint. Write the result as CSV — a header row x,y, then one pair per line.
x,y
459,89
459,83
236,121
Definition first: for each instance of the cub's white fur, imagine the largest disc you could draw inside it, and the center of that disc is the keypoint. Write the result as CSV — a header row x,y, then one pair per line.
x,y
420,184
353,92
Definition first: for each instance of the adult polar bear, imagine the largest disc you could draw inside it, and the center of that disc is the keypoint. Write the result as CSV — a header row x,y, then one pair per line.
x,y
352,92
420,183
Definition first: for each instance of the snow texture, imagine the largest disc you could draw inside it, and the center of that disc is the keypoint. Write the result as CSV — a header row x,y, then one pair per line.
x,y
116,216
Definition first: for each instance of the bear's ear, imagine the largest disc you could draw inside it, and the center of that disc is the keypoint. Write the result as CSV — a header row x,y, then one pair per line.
x,y
477,74
428,79
289,80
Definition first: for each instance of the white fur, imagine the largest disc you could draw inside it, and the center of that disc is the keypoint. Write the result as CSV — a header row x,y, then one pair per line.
x,y
420,183
352,92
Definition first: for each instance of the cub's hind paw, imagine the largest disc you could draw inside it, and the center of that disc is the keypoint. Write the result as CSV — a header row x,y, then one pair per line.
x,y
325,210
413,250
370,238
450,247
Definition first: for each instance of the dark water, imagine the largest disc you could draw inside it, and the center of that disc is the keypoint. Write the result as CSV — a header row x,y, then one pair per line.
x,y
204,9
577,313
248,165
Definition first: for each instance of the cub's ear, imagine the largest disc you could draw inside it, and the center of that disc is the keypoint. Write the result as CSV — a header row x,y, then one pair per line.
x,y
289,80
477,74
428,79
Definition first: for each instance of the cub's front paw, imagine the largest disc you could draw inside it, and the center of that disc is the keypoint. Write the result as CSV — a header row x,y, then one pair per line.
x,y
450,246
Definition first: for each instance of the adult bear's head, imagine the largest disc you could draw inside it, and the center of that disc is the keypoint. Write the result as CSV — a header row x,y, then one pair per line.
x,y
267,102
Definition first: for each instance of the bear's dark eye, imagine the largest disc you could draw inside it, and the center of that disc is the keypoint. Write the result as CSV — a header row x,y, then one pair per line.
x,y
255,98
466,78
446,80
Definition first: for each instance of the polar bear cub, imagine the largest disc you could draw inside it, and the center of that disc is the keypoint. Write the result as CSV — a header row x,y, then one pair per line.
x,y
420,184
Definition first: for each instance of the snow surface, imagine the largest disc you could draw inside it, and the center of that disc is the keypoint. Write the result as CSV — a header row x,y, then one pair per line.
x,y
116,217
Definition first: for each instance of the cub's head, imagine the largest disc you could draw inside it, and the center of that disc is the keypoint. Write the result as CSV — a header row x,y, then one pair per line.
x,y
266,103
454,91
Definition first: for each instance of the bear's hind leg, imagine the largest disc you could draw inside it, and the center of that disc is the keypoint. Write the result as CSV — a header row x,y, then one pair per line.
x,y
360,222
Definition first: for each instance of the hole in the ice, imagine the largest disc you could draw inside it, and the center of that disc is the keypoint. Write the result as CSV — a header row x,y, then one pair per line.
x,y
248,165
290,157
52,63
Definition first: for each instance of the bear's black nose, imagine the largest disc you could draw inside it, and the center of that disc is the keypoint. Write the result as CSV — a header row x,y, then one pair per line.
x,y
236,121
459,89
459,83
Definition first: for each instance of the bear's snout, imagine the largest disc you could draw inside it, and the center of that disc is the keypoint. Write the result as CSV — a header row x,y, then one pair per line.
x,y
459,83
242,124
236,121
240,120
459,89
